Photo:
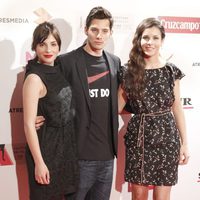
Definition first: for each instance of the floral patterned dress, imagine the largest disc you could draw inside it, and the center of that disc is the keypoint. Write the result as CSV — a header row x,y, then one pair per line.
x,y
152,139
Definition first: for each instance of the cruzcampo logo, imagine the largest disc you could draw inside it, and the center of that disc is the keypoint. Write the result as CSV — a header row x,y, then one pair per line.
x,y
190,25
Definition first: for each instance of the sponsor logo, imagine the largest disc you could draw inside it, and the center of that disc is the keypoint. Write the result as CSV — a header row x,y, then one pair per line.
x,y
198,178
16,110
4,156
187,103
42,14
196,64
13,20
123,23
180,24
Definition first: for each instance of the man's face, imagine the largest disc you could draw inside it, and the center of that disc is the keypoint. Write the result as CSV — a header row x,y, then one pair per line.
x,y
98,34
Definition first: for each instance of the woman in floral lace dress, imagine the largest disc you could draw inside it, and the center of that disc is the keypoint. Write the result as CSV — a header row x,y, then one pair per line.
x,y
156,134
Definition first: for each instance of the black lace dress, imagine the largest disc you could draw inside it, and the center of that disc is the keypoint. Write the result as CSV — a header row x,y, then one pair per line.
x,y
56,136
152,138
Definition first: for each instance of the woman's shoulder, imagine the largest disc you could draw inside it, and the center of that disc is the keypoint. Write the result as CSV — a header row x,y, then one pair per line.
x,y
34,70
32,66
176,71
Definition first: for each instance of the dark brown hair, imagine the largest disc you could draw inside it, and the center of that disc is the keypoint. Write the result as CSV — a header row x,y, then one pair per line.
x,y
99,13
134,79
41,33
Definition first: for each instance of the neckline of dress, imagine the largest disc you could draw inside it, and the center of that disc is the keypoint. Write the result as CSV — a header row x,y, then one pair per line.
x,y
157,68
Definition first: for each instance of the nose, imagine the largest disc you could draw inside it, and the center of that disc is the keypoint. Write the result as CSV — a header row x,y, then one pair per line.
x,y
149,41
99,34
48,50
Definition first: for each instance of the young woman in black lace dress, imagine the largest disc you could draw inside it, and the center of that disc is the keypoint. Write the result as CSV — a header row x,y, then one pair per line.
x,y
51,150
156,134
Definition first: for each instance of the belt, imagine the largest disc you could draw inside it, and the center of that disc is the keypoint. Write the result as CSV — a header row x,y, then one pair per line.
x,y
140,139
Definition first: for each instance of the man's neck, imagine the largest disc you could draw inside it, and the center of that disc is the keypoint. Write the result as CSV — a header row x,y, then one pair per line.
x,y
93,52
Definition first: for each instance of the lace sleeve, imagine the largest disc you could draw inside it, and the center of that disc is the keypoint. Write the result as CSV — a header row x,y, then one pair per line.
x,y
175,71
121,74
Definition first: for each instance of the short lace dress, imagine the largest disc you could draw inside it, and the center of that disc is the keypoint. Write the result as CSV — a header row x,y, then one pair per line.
x,y
152,139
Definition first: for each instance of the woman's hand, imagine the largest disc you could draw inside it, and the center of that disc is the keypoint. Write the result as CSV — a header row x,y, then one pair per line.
x,y
184,155
42,175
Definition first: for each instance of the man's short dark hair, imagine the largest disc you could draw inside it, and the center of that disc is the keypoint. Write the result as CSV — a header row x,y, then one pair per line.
x,y
99,13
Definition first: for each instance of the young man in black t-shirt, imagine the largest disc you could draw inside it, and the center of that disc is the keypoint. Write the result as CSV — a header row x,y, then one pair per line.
x,y
92,73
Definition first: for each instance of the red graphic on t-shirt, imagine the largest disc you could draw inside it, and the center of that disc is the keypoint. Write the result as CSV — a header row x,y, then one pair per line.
x,y
96,77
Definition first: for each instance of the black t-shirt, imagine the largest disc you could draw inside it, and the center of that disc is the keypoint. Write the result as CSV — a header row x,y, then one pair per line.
x,y
99,141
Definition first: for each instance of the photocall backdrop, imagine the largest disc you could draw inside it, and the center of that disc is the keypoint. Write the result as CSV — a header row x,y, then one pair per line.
x,y
17,22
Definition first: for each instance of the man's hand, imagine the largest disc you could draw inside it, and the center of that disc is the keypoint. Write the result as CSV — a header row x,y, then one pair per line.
x,y
39,122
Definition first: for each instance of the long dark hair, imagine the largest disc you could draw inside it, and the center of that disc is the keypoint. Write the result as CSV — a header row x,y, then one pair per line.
x,y
134,78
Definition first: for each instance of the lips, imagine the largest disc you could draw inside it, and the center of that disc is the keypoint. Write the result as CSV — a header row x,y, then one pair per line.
x,y
99,43
48,56
149,48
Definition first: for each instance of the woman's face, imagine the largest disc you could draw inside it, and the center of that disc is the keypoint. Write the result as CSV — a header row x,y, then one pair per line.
x,y
47,51
151,42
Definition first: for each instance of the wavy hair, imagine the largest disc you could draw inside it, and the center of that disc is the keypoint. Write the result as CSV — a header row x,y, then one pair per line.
x,y
134,78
